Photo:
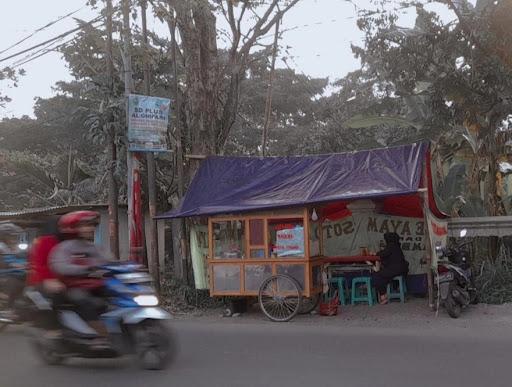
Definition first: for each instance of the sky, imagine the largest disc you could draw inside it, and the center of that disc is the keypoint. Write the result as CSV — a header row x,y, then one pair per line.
x,y
319,34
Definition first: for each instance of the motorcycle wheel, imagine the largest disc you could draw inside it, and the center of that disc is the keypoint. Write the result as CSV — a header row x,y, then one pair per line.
x,y
474,299
453,308
4,321
155,345
47,353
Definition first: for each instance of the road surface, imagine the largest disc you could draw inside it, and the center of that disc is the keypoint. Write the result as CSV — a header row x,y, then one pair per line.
x,y
224,353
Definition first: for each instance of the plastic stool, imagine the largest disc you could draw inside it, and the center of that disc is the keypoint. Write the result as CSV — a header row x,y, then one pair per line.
x,y
341,283
362,297
402,289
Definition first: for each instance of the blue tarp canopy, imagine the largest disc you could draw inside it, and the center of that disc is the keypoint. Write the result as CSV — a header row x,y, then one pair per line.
x,y
225,185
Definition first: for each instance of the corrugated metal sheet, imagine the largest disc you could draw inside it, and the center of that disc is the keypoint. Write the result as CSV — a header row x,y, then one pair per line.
x,y
499,226
57,210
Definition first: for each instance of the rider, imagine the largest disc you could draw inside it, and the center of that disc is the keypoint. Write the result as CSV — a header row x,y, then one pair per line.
x,y
11,259
73,261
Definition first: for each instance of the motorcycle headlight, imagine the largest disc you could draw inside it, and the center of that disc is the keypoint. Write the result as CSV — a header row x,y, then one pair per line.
x,y
146,300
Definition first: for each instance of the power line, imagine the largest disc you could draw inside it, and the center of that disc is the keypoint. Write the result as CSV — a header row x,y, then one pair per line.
x,y
41,29
36,52
46,51
63,35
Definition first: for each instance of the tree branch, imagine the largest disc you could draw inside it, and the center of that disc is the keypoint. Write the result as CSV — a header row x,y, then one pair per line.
x,y
261,28
239,22
467,30
231,18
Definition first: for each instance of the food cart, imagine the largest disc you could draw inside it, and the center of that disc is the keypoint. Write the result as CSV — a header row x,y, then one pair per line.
x,y
271,222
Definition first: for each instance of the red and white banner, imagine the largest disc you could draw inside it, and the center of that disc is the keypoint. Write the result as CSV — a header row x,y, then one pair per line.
x,y
438,232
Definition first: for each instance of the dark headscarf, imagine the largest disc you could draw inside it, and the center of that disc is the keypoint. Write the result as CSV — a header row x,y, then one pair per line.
x,y
392,238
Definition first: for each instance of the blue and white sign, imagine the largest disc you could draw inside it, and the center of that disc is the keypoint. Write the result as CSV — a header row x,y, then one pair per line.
x,y
148,118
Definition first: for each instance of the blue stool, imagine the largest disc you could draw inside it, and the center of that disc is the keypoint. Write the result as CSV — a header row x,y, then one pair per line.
x,y
397,289
357,295
341,283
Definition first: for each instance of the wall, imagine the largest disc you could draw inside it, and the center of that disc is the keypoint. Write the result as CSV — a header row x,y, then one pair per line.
x,y
102,235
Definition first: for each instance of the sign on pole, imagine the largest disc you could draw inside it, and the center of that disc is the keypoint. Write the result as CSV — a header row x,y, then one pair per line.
x,y
147,123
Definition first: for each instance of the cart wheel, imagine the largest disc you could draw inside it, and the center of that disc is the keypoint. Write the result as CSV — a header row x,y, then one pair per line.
x,y
280,297
309,304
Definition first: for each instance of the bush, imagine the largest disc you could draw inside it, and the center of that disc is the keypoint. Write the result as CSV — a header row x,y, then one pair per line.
x,y
493,279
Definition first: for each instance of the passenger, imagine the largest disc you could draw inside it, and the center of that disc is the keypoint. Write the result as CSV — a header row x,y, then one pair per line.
x,y
39,274
42,278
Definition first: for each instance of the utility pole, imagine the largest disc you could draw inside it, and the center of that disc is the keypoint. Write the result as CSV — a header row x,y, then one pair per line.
x,y
177,107
268,103
112,184
180,264
135,218
153,259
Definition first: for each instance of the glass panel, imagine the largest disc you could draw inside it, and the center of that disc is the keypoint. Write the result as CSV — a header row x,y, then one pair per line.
x,y
316,273
286,237
255,275
294,271
314,240
229,239
258,253
256,232
226,278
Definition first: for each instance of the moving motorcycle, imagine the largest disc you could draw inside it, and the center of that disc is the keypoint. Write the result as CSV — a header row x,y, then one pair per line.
x,y
134,321
454,279
14,268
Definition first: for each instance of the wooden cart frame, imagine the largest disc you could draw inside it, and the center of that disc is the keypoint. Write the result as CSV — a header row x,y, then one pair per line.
x,y
308,267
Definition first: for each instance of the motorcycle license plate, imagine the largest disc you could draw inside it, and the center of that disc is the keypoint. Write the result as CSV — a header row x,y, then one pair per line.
x,y
446,277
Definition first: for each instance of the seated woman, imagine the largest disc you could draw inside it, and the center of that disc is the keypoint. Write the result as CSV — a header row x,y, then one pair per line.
x,y
393,264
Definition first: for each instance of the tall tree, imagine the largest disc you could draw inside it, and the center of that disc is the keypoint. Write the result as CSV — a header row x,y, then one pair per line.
x,y
454,76
212,79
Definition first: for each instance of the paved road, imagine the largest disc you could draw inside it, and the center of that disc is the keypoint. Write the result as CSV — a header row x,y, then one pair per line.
x,y
218,354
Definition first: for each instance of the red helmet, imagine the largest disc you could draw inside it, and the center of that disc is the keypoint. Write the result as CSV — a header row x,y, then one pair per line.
x,y
69,223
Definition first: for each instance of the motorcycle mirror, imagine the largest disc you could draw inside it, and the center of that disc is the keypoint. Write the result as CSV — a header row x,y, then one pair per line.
x,y
463,233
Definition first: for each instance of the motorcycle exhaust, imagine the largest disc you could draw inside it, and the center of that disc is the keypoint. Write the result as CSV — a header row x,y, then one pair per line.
x,y
460,296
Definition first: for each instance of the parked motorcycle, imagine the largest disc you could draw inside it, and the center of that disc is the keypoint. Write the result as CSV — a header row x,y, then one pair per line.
x,y
454,279
134,321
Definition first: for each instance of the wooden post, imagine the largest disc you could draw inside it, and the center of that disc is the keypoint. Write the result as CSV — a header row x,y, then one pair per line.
x,y
133,165
153,261
113,205
183,267
428,246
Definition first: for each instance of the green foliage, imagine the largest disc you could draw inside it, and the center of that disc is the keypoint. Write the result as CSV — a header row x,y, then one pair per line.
x,y
10,77
295,107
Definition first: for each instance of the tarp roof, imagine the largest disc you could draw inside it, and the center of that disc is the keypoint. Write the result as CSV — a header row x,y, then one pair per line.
x,y
225,185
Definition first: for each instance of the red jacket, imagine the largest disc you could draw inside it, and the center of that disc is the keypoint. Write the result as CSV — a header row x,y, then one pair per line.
x,y
38,260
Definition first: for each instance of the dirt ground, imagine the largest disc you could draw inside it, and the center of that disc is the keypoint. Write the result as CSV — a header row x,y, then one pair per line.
x,y
414,313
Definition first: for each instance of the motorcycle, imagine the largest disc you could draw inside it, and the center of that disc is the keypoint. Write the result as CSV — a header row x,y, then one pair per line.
x,y
134,322
454,279
14,268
